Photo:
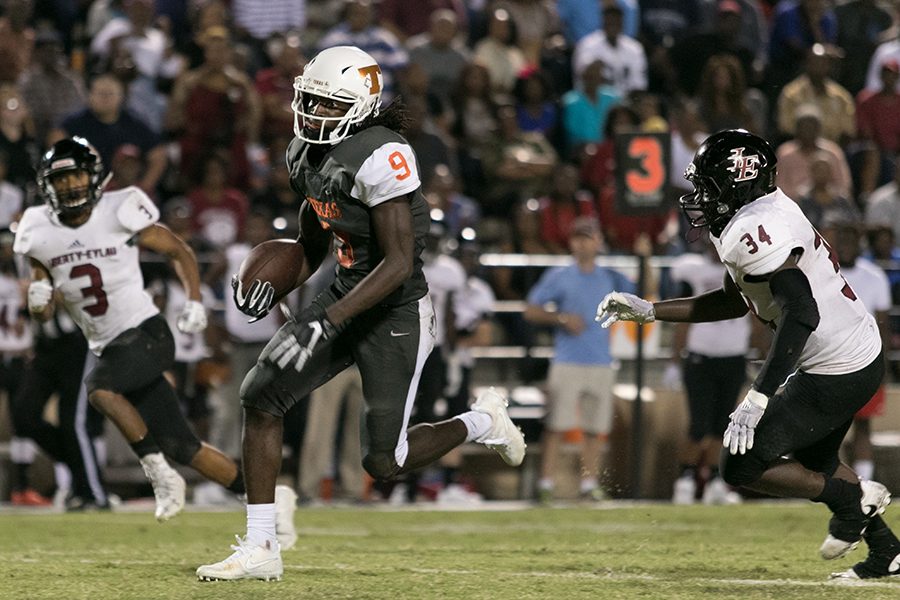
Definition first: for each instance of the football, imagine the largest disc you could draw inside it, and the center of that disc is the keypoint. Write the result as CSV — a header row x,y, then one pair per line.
x,y
277,261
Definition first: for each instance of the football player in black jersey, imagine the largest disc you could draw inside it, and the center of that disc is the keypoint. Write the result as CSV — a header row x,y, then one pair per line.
x,y
359,184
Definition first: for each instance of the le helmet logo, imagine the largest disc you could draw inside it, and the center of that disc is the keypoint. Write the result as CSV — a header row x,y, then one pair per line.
x,y
744,168
372,75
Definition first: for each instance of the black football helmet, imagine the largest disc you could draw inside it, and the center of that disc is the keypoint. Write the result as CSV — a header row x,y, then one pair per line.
x,y
71,154
730,169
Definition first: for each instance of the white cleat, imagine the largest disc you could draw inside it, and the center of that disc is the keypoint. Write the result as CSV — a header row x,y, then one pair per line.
x,y
504,436
717,492
248,561
285,505
875,499
168,486
684,490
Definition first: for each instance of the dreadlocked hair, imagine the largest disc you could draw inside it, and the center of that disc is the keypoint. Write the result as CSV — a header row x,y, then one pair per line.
x,y
395,117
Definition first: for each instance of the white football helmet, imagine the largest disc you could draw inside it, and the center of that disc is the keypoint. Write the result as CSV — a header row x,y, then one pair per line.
x,y
342,73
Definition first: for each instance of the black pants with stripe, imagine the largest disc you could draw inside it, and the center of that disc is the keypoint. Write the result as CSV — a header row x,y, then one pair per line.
x,y
58,367
389,344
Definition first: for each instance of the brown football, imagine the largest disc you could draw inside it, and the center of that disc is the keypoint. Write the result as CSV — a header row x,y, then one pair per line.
x,y
277,261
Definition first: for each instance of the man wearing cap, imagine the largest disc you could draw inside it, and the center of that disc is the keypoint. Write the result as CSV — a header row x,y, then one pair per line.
x,y
815,86
582,372
889,50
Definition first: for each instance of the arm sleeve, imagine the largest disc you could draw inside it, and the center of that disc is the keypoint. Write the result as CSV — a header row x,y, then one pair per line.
x,y
799,318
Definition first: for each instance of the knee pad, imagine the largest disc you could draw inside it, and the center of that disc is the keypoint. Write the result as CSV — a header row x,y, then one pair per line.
x,y
260,390
158,406
381,466
740,469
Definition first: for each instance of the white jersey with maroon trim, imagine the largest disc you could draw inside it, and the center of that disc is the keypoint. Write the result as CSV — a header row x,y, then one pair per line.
x,y
758,240
95,265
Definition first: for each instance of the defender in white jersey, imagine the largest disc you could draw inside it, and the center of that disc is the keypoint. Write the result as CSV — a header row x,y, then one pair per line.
x,y
825,361
83,246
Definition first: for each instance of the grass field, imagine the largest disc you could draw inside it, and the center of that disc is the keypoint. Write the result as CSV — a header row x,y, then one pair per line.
x,y
757,550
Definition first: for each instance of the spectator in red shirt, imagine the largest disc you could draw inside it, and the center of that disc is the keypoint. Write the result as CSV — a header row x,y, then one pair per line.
x,y
877,124
212,106
218,211
275,87
560,208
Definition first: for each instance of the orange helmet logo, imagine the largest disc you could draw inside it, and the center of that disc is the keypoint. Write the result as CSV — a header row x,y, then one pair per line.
x,y
371,75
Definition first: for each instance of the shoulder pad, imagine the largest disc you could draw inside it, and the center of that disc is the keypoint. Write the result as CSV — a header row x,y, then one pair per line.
x,y
31,218
136,211
758,248
391,170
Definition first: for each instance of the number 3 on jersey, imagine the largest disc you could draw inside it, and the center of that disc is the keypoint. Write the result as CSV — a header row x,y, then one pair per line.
x,y
752,244
95,289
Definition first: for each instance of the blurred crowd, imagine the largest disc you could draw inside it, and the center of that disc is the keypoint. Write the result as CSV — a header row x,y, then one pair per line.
x,y
514,110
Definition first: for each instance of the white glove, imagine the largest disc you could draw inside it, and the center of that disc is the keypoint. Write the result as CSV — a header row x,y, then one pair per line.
x,y
672,377
620,306
739,435
296,342
40,291
192,318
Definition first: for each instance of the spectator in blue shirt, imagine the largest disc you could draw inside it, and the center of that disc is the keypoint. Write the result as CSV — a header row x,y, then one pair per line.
x,y
582,374
585,110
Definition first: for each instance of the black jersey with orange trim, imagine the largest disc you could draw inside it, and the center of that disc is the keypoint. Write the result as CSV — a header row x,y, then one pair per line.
x,y
364,170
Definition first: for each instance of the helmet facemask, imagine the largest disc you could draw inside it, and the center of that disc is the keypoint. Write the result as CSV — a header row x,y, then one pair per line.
x,y
70,198
705,206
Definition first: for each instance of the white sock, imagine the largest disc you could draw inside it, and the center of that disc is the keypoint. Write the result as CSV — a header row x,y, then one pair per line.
x,y
588,485
478,424
545,484
261,523
864,468
63,476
